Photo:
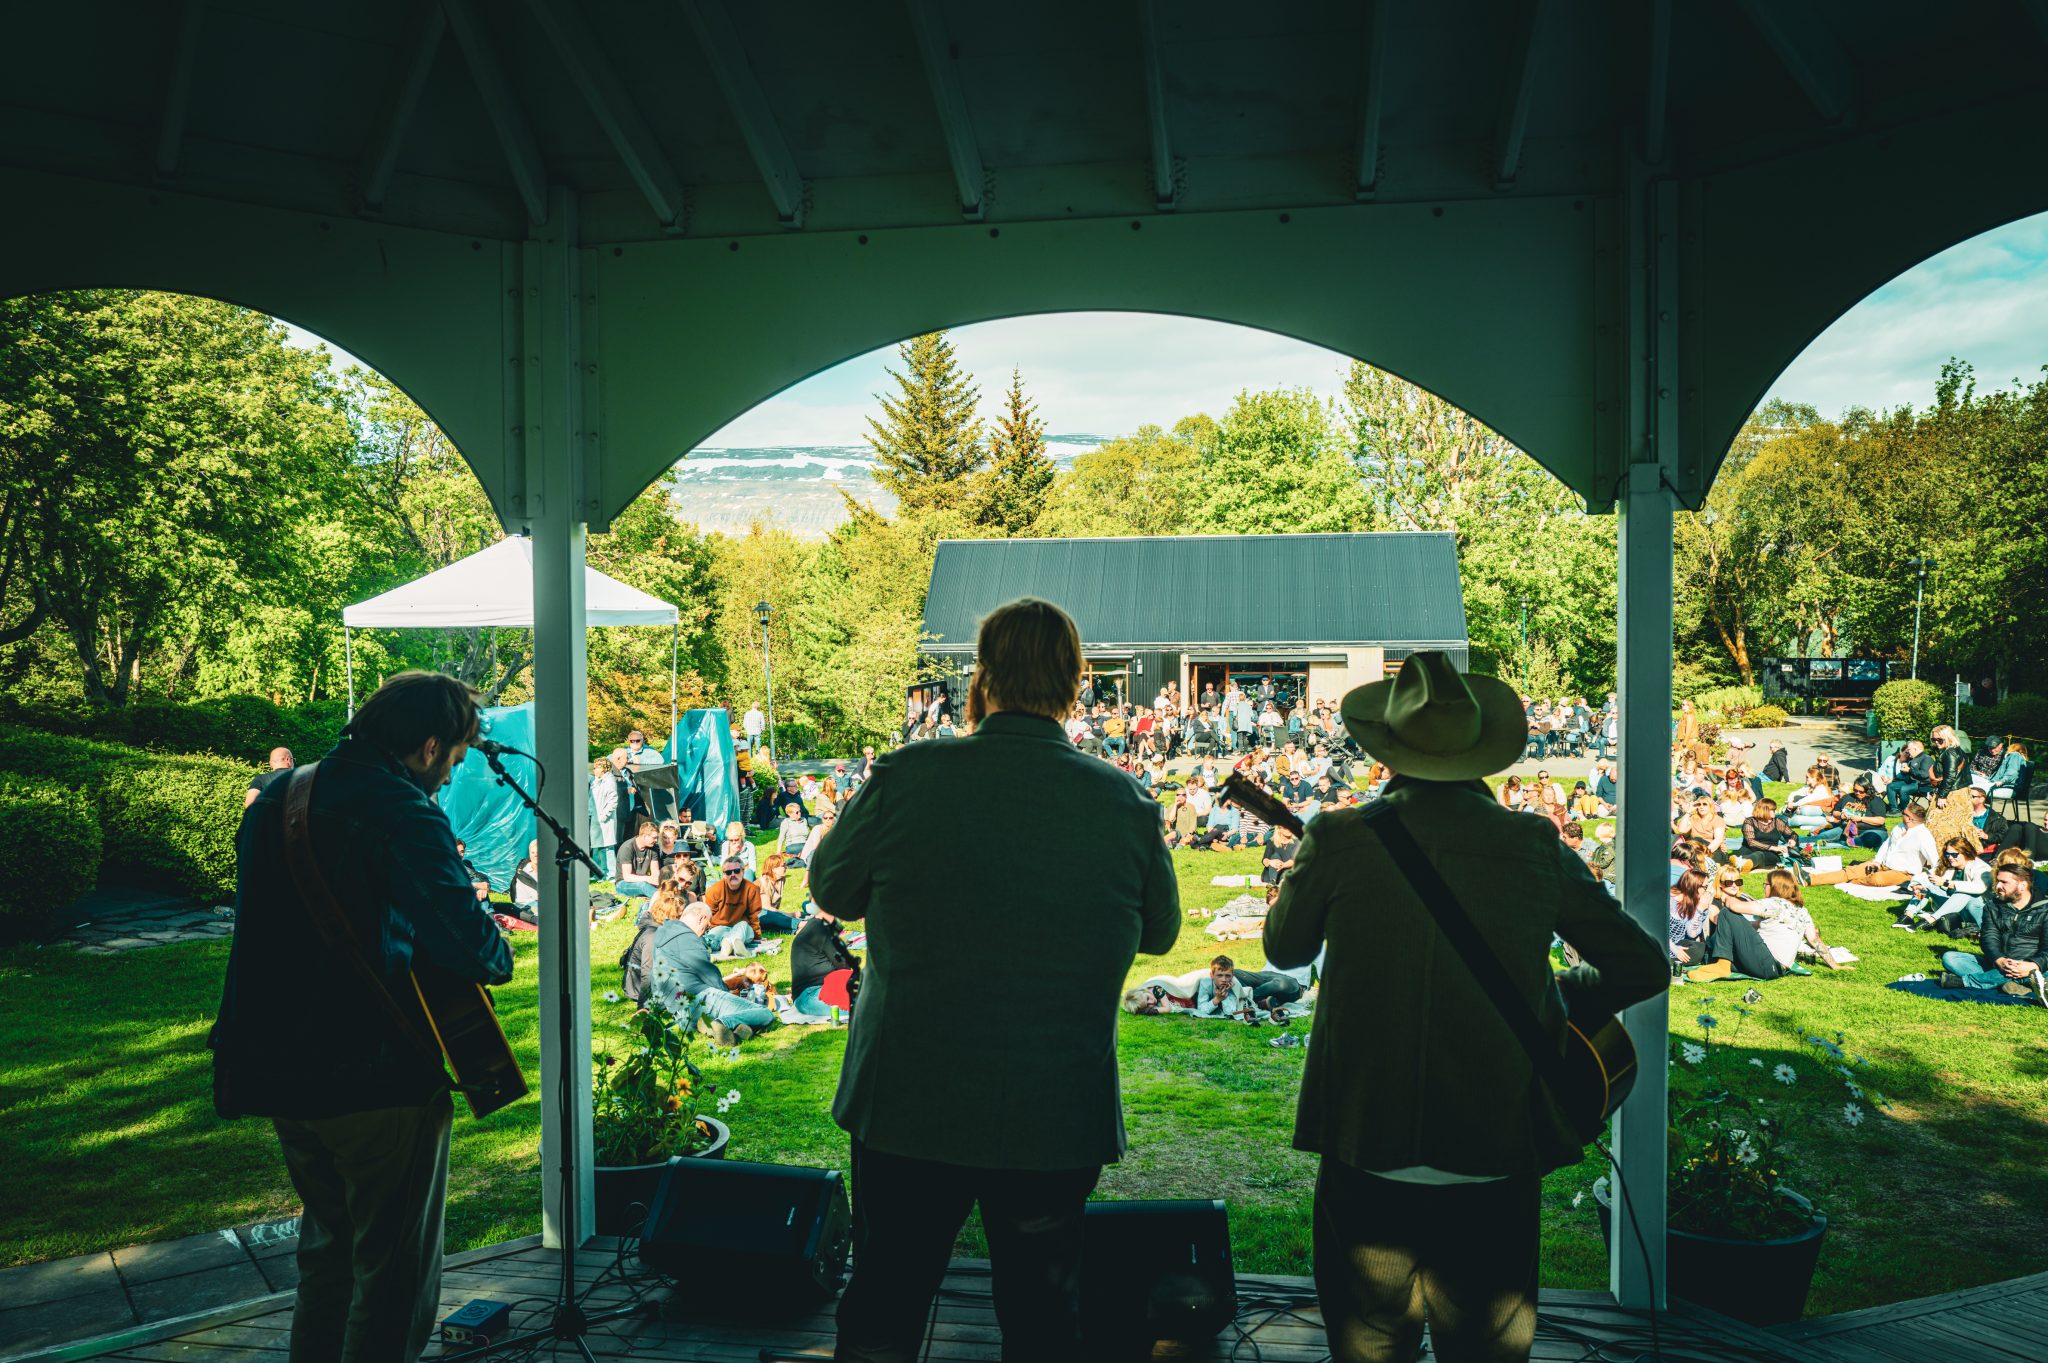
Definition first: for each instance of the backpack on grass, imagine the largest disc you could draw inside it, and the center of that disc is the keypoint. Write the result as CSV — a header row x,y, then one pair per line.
x,y
636,964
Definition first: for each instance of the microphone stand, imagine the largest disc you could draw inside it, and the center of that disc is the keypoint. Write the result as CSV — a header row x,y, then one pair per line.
x,y
570,1323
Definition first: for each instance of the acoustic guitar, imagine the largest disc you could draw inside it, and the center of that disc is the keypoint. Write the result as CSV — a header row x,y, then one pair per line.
x,y
458,1012
1598,1064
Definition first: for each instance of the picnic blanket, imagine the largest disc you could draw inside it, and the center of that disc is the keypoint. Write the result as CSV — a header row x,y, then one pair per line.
x,y
1931,989
1876,894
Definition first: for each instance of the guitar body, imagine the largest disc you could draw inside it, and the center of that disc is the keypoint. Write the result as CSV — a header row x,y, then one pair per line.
x,y
461,1017
1601,1060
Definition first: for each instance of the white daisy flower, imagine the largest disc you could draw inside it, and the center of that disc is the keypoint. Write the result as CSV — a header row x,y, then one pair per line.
x,y
1852,1114
1578,1197
1756,1062
1693,1052
1785,1074
611,996
1855,1090
732,1095
1746,1153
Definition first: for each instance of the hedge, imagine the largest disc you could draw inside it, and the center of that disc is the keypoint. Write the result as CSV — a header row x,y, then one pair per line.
x,y
242,728
1765,717
49,851
168,819
1908,708
2020,715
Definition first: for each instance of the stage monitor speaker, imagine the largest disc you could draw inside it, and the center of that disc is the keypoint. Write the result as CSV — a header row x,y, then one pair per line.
x,y
1153,1271
776,1223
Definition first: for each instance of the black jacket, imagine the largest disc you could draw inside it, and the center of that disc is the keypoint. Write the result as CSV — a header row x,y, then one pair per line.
x,y
1951,770
817,951
2018,934
300,1033
1997,828
1774,770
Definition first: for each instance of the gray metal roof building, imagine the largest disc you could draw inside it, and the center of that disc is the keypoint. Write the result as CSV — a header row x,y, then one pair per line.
x,y
1328,610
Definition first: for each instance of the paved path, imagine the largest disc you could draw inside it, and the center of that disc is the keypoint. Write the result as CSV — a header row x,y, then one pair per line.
x,y
121,918
60,1300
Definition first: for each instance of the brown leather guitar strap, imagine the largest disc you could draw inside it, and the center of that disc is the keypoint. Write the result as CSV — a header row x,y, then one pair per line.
x,y
329,919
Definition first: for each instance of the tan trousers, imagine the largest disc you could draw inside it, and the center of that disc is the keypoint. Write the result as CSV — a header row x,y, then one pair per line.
x,y
1862,873
375,1185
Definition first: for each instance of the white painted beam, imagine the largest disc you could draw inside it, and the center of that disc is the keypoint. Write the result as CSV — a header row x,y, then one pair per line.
x,y
380,158
515,137
1373,96
170,132
749,106
942,70
1163,192
1808,52
598,82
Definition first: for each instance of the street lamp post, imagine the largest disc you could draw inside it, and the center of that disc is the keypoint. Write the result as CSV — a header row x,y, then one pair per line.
x,y
1919,598
1524,603
766,612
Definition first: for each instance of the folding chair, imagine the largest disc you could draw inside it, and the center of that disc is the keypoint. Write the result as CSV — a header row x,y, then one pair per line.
x,y
2019,795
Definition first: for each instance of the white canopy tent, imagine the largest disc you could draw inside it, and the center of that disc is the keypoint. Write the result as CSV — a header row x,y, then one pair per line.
x,y
494,587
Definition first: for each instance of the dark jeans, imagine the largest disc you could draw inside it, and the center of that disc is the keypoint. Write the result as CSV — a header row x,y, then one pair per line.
x,y
1902,792
907,1213
1388,1252
1734,939
775,920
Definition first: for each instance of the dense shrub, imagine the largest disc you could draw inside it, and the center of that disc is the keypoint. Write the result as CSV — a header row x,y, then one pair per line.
x,y
1908,708
1731,702
242,728
169,819
1765,717
49,851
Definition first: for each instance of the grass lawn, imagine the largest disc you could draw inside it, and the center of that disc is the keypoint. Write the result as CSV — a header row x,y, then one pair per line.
x,y
111,1139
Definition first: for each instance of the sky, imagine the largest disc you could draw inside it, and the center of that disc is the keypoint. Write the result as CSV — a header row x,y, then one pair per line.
x,y
1107,373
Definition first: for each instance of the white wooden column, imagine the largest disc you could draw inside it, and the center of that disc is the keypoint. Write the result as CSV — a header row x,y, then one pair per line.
x,y
549,362
1636,1267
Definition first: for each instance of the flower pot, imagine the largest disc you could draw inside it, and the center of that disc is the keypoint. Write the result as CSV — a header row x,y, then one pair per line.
x,y
626,1191
1760,1282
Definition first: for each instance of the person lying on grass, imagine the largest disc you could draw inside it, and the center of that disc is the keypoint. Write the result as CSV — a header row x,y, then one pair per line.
x,y
1908,850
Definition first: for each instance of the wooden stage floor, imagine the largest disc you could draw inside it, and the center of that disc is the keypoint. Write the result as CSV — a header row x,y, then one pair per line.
x,y
1278,1323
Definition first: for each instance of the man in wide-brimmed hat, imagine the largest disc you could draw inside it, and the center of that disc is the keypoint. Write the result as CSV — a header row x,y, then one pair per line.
x,y
1433,1133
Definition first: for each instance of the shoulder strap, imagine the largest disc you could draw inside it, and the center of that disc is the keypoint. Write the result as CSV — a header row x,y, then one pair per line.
x,y
329,920
1472,948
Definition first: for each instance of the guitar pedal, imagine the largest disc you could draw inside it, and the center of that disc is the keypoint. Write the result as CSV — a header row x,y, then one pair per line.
x,y
480,1322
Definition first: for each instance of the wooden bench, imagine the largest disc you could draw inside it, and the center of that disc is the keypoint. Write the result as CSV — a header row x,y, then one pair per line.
x,y
1849,705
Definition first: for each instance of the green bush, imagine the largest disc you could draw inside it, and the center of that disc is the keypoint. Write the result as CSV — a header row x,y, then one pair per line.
x,y
1765,717
1729,701
37,818
169,819
242,728
2021,716
1908,708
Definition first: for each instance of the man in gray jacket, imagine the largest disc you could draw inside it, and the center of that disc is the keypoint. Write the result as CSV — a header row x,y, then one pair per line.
x,y
1433,1129
949,1102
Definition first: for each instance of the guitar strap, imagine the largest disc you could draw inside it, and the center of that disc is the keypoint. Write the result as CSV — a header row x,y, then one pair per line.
x,y
328,917
1472,948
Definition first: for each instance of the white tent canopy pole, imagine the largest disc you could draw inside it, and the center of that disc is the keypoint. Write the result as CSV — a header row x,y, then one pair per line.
x,y
494,588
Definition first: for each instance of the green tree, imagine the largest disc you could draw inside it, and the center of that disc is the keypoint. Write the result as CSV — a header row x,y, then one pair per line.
x,y
648,546
1139,484
166,460
928,442
1020,473
1277,466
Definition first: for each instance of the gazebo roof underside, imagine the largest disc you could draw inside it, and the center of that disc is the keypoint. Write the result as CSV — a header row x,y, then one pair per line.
x,y
763,190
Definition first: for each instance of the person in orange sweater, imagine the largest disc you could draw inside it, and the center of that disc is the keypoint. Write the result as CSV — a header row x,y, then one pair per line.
x,y
735,904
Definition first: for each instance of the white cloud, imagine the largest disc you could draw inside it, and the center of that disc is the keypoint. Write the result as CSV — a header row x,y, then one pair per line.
x,y
1102,373
1984,301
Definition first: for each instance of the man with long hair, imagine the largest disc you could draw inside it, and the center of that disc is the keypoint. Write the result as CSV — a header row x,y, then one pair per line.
x,y
360,1103
1017,1109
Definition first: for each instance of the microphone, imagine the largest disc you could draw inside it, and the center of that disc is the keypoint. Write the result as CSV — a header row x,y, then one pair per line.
x,y
490,747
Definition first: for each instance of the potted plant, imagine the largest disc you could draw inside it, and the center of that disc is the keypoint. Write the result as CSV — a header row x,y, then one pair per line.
x,y
1739,1239
644,1114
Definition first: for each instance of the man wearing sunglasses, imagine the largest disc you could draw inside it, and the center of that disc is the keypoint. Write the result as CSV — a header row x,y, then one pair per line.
x,y
735,904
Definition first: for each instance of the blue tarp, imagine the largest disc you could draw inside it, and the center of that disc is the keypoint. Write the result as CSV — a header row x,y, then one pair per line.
x,y
707,771
487,816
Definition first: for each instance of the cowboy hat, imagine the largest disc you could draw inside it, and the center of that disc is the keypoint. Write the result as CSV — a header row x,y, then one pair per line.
x,y
1434,722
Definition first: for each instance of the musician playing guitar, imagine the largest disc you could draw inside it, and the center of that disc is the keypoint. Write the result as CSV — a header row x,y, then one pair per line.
x,y
1419,1092
348,885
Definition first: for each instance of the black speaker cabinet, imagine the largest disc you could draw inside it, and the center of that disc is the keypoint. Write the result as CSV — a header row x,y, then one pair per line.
x,y
751,1222
1153,1271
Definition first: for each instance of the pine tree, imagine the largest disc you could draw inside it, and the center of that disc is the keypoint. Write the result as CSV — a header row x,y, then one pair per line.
x,y
928,442
1020,471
